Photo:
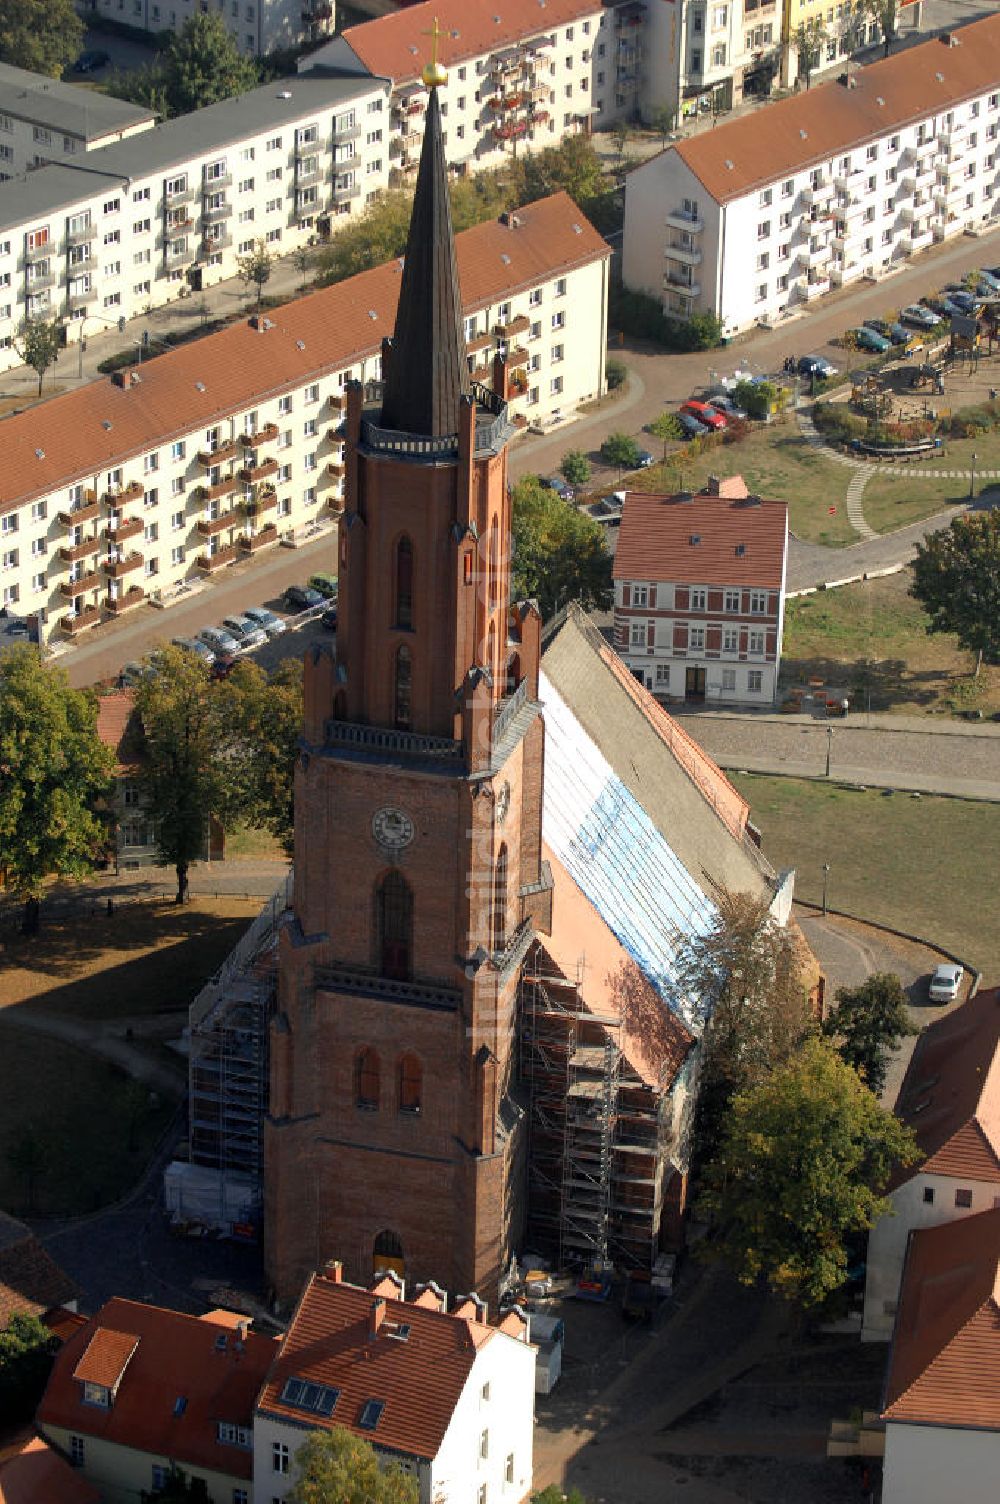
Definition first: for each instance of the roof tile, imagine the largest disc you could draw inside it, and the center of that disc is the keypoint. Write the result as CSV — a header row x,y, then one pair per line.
x,y
657,539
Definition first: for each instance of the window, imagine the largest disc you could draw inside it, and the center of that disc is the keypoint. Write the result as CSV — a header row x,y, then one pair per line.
x,y
394,921
755,681
284,406
312,392
732,600
508,1472
755,642
699,599
371,1414
410,1084
161,1474
638,634
499,922
404,584
535,297
484,1445
559,320
758,602
729,679
557,353
763,229
279,1457
696,638
76,1451
928,1195
309,428
963,1198
97,1394
240,1496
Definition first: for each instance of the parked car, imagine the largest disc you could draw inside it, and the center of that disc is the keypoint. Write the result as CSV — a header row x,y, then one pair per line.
x,y
302,598
816,365
91,60
199,649
247,633
965,300
644,459
944,307
326,584
222,643
945,982
690,427
608,509
723,403
329,619
869,339
919,316
900,335
558,485
273,624
881,326
707,415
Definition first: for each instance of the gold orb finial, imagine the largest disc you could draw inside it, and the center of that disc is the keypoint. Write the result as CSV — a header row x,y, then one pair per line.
x,y
434,73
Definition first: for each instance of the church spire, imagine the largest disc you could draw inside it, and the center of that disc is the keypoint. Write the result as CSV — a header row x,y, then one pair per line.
x,y
428,375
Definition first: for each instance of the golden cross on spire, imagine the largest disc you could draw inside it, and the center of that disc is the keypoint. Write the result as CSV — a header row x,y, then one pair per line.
x,y
434,74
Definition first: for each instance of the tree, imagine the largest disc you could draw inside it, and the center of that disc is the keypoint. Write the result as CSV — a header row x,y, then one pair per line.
x,y
144,85
886,14
254,270
575,467
38,342
26,1349
573,167
668,428
755,397
261,718
616,373
956,578
303,258
662,120
182,769
871,1021
53,771
747,973
809,39
621,450
799,1170
178,1489
377,235
43,36
559,552
202,64
334,1467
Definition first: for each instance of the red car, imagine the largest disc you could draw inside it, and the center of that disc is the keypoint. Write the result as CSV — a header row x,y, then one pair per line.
x,y
705,414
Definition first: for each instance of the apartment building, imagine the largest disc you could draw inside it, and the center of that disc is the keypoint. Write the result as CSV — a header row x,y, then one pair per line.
x,y
520,77
121,490
170,210
762,215
43,120
844,27
700,593
257,26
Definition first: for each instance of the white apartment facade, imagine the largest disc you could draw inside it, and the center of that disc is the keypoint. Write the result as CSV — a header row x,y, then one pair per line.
x,y
43,120
698,54
761,216
118,492
257,26
171,210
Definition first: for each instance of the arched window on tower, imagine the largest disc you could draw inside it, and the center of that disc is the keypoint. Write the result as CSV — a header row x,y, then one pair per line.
x,y
387,1252
403,689
499,917
494,563
404,584
366,1079
411,1081
491,648
394,927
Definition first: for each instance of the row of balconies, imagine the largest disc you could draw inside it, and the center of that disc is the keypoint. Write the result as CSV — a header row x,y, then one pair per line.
x,y
91,616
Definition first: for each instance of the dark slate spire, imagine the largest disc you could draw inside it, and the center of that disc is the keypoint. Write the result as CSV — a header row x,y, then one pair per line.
x,y
428,374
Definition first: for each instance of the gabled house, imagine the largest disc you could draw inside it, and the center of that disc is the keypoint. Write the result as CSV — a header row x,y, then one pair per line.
x,y
942,1397
700,593
950,1097
140,1388
32,1472
31,1282
435,1390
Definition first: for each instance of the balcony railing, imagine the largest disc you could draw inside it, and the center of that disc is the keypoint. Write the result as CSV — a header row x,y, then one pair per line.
x,y
116,568
84,583
253,473
209,563
226,451
82,235
81,620
123,529
81,512
265,501
131,598
209,526
360,983
263,539
265,435
72,553
382,740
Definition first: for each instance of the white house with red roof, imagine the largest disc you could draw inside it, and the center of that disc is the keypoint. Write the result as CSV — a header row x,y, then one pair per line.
x,y
950,1097
942,1396
429,1383
700,593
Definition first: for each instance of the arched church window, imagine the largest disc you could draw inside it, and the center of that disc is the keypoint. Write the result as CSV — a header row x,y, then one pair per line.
x,y
366,1078
387,1252
513,673
494,563
404,583
394,917
411,1080
500,900
403,689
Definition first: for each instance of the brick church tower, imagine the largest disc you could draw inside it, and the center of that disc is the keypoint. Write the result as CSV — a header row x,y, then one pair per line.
x,y
395,1137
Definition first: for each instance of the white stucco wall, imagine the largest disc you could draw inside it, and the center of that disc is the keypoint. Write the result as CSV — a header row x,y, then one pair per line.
x,y
499,1401
933,1464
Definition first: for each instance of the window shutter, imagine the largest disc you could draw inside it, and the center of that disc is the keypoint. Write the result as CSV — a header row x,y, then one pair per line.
x,y
626,595
715,600
682,596
680,635
713,639
652,597
651,635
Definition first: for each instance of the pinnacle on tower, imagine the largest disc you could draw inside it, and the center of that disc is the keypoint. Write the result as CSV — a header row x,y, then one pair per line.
x,y
428,375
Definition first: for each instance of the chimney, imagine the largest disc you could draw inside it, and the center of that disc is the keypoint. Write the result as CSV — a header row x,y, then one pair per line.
x,y
376,1316
712,486
333,1270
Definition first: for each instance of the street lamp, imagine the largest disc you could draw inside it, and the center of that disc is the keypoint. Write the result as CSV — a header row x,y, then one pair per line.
x,y
972,478
826,874
829,748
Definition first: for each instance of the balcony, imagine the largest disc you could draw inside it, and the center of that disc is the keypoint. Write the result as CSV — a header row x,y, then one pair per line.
x,y
335,469
256,541
843,276
179,196
213,214
251,474
342,195
339,136
82,298
227,451
119,603
211,244
517,357
679,283
482,342
265,501
84,511
114,495
681,221
81,236
117,568
73,553
33,253
209,526
84,583
40,283
685,254
120,530
216,185
305,175
80,621
520,325
209,563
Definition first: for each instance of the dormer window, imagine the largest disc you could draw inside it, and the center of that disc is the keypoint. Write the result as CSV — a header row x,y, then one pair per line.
x,y
233,1435
97,1394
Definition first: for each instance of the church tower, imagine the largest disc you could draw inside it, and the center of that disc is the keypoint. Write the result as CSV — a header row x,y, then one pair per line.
x,y
394,1136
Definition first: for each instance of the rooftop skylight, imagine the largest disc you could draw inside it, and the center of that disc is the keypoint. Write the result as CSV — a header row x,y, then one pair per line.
x,y
318,1399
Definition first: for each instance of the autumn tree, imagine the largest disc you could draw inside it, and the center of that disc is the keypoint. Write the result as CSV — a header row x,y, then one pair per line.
x,y
334,1467
956,578
254,269
870,1021
800,1169
38,342
559,552
54,770
261,717
43,36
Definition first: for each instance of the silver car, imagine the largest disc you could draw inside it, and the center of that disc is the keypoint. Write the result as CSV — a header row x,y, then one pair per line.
x,y
272,623
223,644
248,633
945,982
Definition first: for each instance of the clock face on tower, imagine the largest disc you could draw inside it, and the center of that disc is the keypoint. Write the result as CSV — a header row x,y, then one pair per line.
x,y
392,828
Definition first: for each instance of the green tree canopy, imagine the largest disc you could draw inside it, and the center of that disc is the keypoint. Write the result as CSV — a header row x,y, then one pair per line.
x,y
621,450
800,1167
37,342
808,39
870,1022
377,235
575,467
334,1467
261,716
200,65
956,578
26,1348
886,14
573,167
53,771
668,428
41,35
254,270
559,552
755,397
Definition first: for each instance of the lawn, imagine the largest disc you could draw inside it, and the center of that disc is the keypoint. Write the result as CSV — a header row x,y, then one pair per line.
x,y
149,958
93,1130
877,629
917,864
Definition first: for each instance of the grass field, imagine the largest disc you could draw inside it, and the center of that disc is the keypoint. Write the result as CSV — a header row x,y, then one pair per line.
x,y
83,1113
877,629
918,864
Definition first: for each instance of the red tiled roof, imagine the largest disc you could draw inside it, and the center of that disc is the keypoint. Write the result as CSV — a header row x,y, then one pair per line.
x,y
106,1357
116,728
950,1094
654,541
31,1282
32,1473
419,1380
77,435
944,1367
176,1357
398,45
830,119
